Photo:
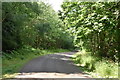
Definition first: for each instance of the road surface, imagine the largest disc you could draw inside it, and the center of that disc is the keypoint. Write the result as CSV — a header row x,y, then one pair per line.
x,y
56,65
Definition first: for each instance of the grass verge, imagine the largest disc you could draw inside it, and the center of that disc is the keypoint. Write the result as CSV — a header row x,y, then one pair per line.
x,y
13,62
95,66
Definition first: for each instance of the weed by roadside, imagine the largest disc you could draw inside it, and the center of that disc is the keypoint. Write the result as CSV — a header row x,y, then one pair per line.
x,y
95,66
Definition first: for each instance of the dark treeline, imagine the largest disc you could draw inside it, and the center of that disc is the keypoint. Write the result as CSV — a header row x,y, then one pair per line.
x,y
32,24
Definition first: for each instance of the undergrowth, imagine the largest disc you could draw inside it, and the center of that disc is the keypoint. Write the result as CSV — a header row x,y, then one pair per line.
x,y
95,66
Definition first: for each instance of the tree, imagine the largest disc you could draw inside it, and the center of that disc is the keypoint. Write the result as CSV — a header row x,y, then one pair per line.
x,y
34,24
93,25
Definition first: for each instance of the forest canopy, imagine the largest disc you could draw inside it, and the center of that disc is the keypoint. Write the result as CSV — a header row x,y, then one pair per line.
x,y
93,26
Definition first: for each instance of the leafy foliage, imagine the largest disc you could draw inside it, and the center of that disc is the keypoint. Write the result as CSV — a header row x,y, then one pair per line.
x,y
33,24
94,26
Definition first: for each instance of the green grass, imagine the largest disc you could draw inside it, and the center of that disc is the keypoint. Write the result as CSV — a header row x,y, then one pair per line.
x,y
13,62
95,66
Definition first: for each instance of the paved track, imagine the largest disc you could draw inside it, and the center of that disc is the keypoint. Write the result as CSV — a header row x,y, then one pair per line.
x,y
52,65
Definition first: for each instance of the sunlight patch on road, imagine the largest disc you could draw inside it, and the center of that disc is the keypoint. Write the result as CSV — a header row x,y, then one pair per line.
x,y
67,55
50,75
66,59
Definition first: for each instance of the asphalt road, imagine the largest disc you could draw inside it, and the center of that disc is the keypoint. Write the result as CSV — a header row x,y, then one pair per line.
x,y
53,64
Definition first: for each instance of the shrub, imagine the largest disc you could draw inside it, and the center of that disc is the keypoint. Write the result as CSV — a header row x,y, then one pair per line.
x,y
85,59
106,69
103,68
